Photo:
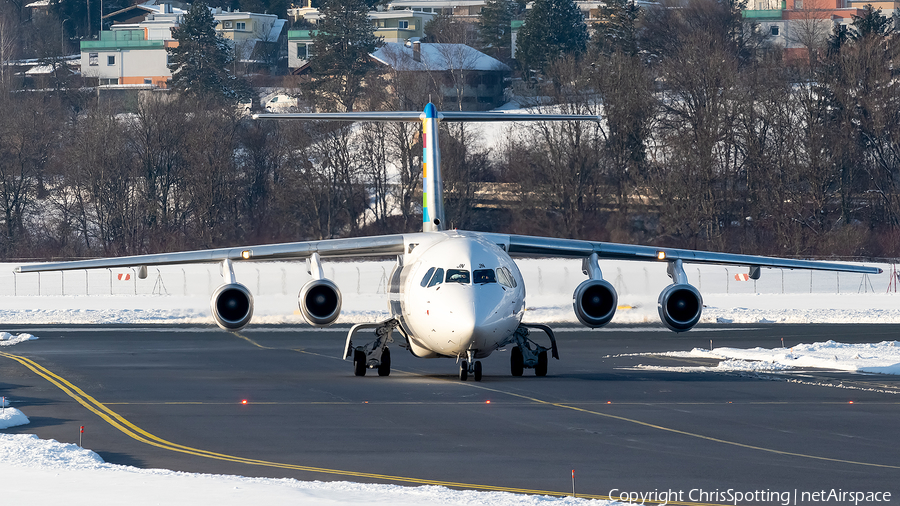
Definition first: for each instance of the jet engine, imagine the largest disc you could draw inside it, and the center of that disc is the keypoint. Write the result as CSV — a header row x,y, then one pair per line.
x,y
320,302
595,302
232,306
680,305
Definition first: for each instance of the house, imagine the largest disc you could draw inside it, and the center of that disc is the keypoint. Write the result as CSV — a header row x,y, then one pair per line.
x,y
135,53
798,25
392,26
126,56
463,76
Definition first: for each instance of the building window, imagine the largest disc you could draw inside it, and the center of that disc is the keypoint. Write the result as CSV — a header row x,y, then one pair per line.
x,y
147,80
774,30
403,25
798,4
111,60
93,59
240,25
301,51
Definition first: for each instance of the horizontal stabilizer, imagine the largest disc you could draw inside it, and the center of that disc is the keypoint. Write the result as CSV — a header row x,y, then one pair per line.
x,y
419,116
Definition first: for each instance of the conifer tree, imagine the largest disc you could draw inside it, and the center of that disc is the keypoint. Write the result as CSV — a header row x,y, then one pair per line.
x,y
494,24
201,63
341,49
552,28
617,29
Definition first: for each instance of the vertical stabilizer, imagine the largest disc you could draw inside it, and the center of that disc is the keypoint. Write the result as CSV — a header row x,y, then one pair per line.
x,y
432,185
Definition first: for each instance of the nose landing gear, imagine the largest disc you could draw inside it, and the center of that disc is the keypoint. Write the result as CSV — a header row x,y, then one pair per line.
x,y
470,366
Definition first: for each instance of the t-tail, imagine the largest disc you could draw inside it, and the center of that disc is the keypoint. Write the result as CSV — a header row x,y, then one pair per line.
x,y
432,184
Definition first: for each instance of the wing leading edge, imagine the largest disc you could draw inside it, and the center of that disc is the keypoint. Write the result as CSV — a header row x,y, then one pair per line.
x,y
520,245
353,247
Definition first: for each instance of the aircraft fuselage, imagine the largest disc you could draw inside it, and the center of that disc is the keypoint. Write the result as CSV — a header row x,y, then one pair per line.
x,y
456,294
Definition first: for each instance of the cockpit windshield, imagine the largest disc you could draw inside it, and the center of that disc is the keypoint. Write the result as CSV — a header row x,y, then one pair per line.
x,y
457,276
483,276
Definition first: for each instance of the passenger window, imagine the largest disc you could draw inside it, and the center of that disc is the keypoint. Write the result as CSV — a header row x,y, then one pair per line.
x,y
427,277
438,277
458,276
483,276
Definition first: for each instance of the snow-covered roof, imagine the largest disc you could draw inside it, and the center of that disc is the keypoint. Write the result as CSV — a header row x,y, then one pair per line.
x,y
39,3
436,57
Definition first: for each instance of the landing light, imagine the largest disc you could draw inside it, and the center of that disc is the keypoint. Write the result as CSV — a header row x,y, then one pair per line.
x,y
244,401
245,254
660,255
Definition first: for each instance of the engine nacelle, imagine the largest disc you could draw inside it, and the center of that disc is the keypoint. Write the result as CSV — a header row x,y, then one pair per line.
x,y
232,306
680,306
320,302
595,302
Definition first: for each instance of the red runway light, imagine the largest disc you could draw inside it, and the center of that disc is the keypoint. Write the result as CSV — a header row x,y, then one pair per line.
x,y
487,402
851,402
609,402
244,401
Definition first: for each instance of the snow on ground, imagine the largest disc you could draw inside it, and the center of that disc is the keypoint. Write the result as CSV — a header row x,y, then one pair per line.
x,y
11,417
47,472
881,358
7,339
36,471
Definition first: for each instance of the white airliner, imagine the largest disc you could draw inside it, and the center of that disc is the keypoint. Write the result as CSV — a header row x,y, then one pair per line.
x,y
452,293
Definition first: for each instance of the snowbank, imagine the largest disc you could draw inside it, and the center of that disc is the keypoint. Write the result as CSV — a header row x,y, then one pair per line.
x,y
36,471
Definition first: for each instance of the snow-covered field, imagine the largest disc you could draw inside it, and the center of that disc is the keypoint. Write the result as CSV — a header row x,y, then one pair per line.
x,y
48,472
180,294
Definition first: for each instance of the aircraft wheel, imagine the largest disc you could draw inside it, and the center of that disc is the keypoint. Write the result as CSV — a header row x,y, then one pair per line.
x,y
385,368
478,370
359,363
516,362
463,371
541,368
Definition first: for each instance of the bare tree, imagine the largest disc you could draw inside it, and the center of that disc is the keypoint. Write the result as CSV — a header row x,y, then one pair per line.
x,y
809,27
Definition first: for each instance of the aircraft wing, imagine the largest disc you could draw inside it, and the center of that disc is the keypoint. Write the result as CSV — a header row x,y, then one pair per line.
x,y
352,247
521,245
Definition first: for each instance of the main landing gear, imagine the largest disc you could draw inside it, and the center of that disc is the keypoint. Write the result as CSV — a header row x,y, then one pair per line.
x,y
374,355
528,354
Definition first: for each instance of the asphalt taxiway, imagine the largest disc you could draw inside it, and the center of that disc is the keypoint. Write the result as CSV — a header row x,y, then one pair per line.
x,y
173,397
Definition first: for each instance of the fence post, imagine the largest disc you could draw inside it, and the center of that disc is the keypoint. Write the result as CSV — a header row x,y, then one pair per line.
x,y
15,285
134,277
39,284
110,280
699,280
62,282
782,281
184,278
727,281
86,291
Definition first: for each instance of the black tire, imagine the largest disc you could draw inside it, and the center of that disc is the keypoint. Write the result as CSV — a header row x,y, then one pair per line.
x,y
359,363
385,368
463,371
541,368
477,370
516,362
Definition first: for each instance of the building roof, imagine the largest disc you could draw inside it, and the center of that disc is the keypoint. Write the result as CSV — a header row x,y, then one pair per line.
x,y
436,57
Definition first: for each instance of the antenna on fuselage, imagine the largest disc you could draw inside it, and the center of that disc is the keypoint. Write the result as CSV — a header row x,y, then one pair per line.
x,y
432,184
